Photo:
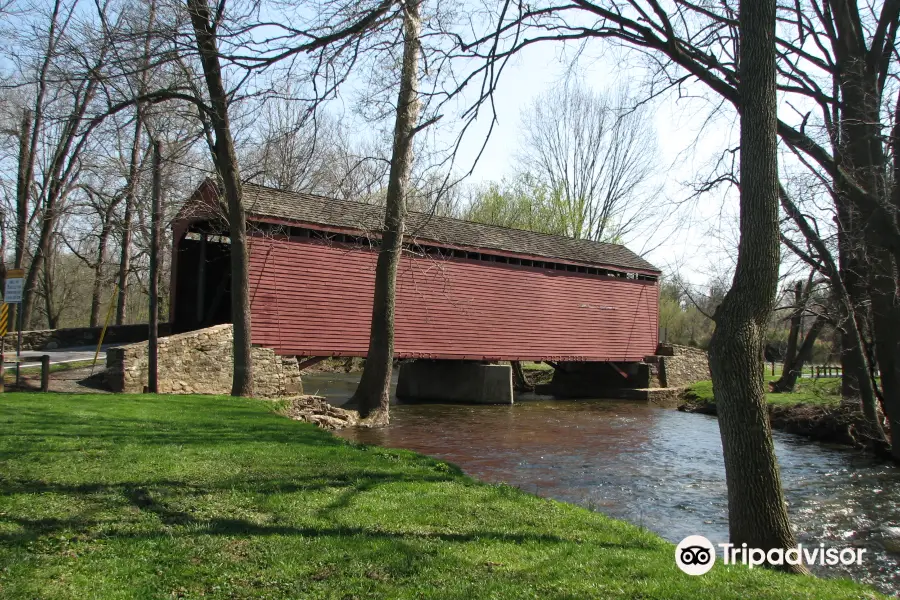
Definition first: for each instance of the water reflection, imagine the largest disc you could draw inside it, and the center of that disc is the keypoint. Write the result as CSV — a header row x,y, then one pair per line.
x,y
657,468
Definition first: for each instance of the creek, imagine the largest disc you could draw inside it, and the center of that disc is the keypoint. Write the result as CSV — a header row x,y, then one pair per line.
x,y
657,468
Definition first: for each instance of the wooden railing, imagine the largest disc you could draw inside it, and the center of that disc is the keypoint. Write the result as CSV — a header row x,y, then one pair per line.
x,y
817,371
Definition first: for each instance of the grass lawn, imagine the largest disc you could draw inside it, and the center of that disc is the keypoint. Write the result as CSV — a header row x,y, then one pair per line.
x,y
186,497
825,391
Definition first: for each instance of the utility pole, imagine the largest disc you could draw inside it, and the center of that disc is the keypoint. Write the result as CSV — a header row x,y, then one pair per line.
x,y
153,340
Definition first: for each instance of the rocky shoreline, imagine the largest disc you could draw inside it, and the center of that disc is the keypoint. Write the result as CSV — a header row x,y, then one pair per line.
x,y
317,410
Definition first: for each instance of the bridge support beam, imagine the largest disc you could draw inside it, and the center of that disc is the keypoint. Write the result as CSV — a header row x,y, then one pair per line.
x,y
454,381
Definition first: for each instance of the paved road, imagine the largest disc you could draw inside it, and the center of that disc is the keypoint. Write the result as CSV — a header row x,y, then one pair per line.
x,y
64,355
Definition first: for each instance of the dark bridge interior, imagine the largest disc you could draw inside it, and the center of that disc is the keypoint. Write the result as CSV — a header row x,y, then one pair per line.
x,y
202,282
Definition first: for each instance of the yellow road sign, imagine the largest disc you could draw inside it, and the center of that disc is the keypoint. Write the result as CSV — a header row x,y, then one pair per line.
x,y
4,318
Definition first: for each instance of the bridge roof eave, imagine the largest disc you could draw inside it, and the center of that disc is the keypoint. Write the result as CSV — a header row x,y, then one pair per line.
x,y
441,244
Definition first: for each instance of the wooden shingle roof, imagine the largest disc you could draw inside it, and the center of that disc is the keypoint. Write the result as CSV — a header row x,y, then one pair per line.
x,y
265,202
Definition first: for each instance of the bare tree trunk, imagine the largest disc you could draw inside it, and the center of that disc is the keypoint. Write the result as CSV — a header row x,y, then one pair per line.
x,y
794,368
23,195
862,153
850,269
48,223
227,166
790,352
134,163
127,222
756,510
24,179
372,397
60,170
886,332
853,358
23,187
97,289
49,287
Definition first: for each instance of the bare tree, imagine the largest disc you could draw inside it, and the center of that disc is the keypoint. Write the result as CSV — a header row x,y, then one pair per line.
x,y
61,127
101,206
131,186
799,351
229,172
292,148
757,514
372,396
595,153
853,356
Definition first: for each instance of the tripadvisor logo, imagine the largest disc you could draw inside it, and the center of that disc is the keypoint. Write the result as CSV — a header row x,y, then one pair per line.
x,y
695,555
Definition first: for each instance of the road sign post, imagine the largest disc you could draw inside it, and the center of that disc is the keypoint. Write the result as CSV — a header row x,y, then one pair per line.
x,y
18,344
4,325
12,294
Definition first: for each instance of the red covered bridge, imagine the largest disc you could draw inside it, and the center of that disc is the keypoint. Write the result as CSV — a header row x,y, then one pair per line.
x,y
465,291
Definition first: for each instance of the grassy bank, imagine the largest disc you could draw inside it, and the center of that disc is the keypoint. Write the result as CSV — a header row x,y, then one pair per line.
x,y
187,497
823,392
812,410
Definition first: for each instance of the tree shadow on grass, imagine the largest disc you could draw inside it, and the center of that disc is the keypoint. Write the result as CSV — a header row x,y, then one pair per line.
x,y
121,510
357,479
40,428
147,498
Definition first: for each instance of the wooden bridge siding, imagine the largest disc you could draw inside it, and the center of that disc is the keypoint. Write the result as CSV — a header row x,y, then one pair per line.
x,y
309,298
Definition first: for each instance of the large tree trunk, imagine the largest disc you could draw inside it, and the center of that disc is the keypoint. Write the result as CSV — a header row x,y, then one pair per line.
x,y
227,166
24,178
852,267
886,330
52,316
756,509
853,358
23,187
127,223
48,224
876,248
23,193
372,397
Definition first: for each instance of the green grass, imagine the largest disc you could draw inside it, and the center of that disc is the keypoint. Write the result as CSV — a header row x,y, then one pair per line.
x,y
825,391
186,497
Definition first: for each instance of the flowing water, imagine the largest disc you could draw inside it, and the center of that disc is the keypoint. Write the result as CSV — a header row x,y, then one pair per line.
x,y
658,468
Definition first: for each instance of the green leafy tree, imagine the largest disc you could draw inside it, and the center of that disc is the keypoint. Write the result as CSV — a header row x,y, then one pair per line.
x,y
523,203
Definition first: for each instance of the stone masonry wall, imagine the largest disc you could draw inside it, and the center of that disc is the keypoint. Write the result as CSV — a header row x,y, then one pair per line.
x,y
682,365
53,339
200,362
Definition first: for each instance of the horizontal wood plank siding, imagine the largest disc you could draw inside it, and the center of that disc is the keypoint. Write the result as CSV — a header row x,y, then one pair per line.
x,y
314,299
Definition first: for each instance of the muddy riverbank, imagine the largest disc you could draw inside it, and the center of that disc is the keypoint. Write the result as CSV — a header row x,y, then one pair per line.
x,y
829,423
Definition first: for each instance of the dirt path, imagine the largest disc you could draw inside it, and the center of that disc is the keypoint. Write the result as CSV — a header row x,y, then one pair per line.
x,y
72,381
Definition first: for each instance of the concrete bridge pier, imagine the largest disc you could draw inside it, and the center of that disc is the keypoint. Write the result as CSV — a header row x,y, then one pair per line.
x,y
454,381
